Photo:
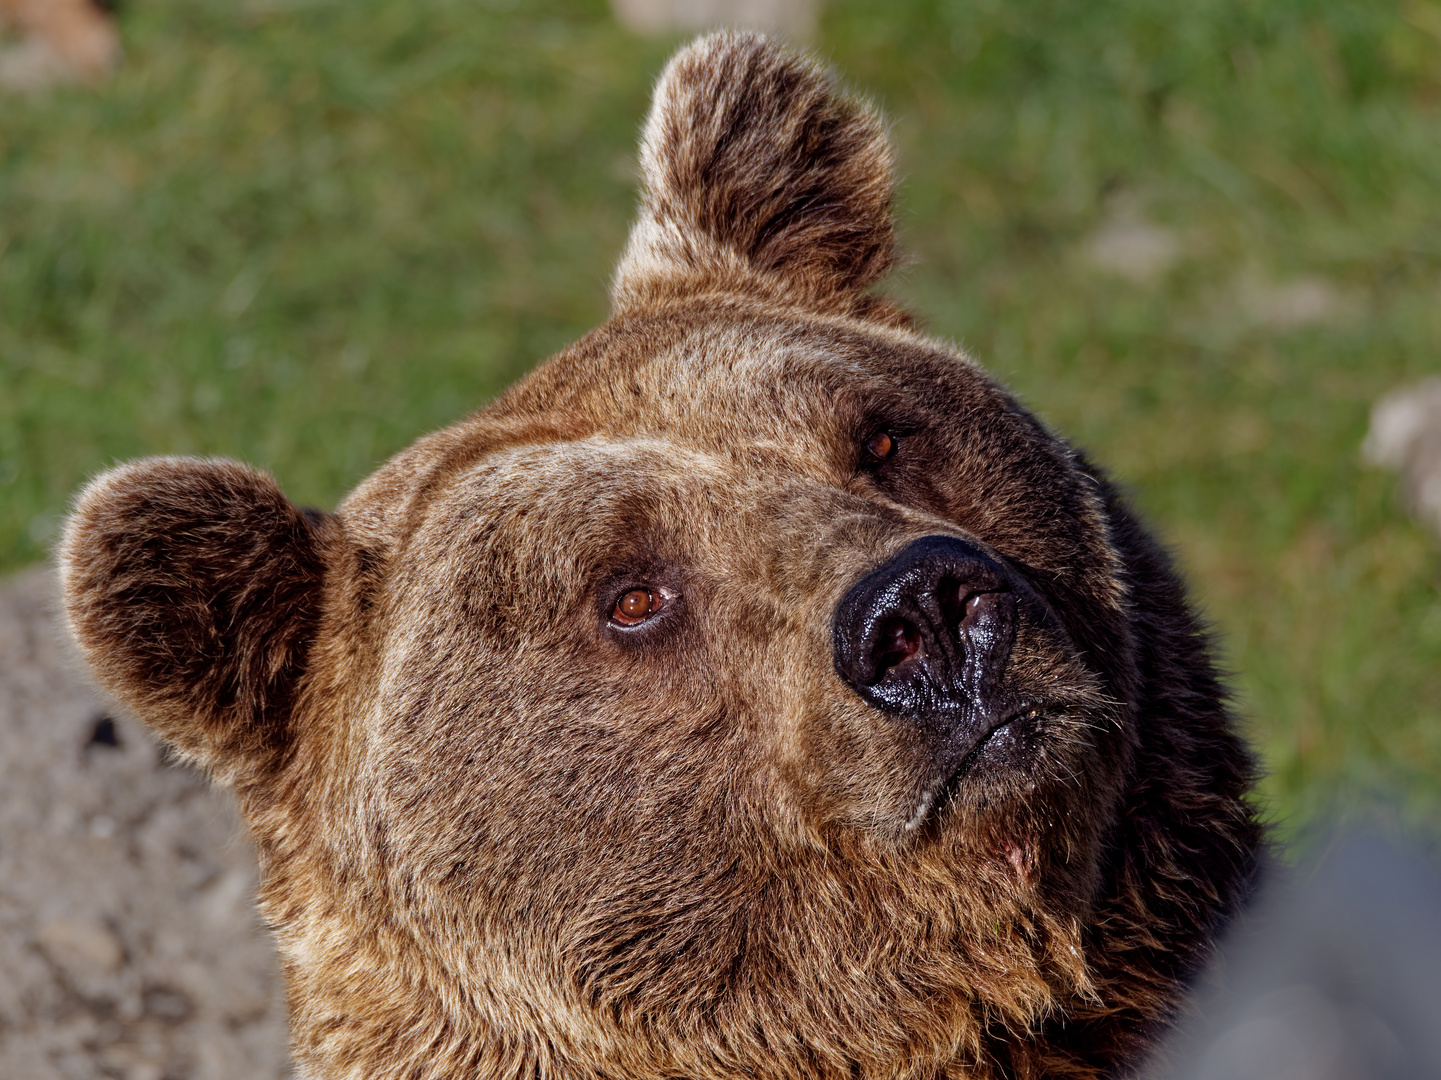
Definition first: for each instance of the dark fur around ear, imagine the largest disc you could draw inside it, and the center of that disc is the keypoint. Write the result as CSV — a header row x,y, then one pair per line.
x,y
758,177
194,588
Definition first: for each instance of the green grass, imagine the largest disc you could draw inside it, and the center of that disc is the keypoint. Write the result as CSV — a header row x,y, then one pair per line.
x,y
303,233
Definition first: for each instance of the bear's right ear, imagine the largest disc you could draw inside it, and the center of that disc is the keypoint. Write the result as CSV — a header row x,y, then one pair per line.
x,y
194,589
759,177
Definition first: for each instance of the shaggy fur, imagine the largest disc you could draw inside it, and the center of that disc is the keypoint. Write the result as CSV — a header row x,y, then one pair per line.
x,y
503,833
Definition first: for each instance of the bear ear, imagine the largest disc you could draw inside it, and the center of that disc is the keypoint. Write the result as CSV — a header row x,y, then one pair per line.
x,y
194,589
759,176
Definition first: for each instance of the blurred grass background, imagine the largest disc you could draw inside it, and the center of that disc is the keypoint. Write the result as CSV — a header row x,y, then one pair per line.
x,y
304,232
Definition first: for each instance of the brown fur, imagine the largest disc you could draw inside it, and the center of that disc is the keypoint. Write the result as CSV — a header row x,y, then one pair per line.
x,y
501,836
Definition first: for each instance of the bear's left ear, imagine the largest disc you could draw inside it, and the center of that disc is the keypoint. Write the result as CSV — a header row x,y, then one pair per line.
x,y
194,590
759,177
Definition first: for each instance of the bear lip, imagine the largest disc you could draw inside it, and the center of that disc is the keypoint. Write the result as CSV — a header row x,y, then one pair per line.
x,y
946,781
984,737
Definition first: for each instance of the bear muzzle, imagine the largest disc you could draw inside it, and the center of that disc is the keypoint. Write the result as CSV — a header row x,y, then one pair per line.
x,y
925,639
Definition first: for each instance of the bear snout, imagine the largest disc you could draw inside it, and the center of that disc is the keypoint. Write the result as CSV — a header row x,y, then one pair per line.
x,y
925,638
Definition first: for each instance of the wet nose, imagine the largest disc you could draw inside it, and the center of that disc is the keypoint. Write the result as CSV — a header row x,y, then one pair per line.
x,y
927,634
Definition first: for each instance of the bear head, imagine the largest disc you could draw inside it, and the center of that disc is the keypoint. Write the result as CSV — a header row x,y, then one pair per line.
x,y
754,689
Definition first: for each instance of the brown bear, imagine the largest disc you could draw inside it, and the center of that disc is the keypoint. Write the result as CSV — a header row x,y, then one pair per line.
x,y
755,689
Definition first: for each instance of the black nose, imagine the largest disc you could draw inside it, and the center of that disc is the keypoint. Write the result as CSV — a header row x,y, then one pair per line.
x,y
927,635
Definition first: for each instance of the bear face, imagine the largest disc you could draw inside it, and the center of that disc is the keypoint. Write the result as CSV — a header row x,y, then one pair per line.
x,y
755,689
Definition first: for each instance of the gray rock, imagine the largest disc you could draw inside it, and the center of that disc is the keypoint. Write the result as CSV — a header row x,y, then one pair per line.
x,y
1405,435
130,948
1133,248
795,19
1334,975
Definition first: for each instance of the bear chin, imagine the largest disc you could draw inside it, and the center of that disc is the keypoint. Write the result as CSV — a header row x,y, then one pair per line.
x,y
754,689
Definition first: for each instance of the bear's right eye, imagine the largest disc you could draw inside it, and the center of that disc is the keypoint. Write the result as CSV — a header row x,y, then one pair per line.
x,y
636,606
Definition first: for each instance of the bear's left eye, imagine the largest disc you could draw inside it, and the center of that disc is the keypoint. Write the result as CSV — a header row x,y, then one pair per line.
x,y
880,446
636,606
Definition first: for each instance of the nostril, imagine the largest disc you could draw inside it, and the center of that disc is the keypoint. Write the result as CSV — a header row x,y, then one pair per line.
x,y
953,597
961,607
971,608
896,642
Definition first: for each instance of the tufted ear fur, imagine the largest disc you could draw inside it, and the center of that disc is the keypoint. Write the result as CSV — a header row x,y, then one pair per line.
x,y
759,177
194,590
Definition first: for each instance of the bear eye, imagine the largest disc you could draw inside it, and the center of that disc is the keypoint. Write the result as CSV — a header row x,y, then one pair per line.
x,y
636,606
880,446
